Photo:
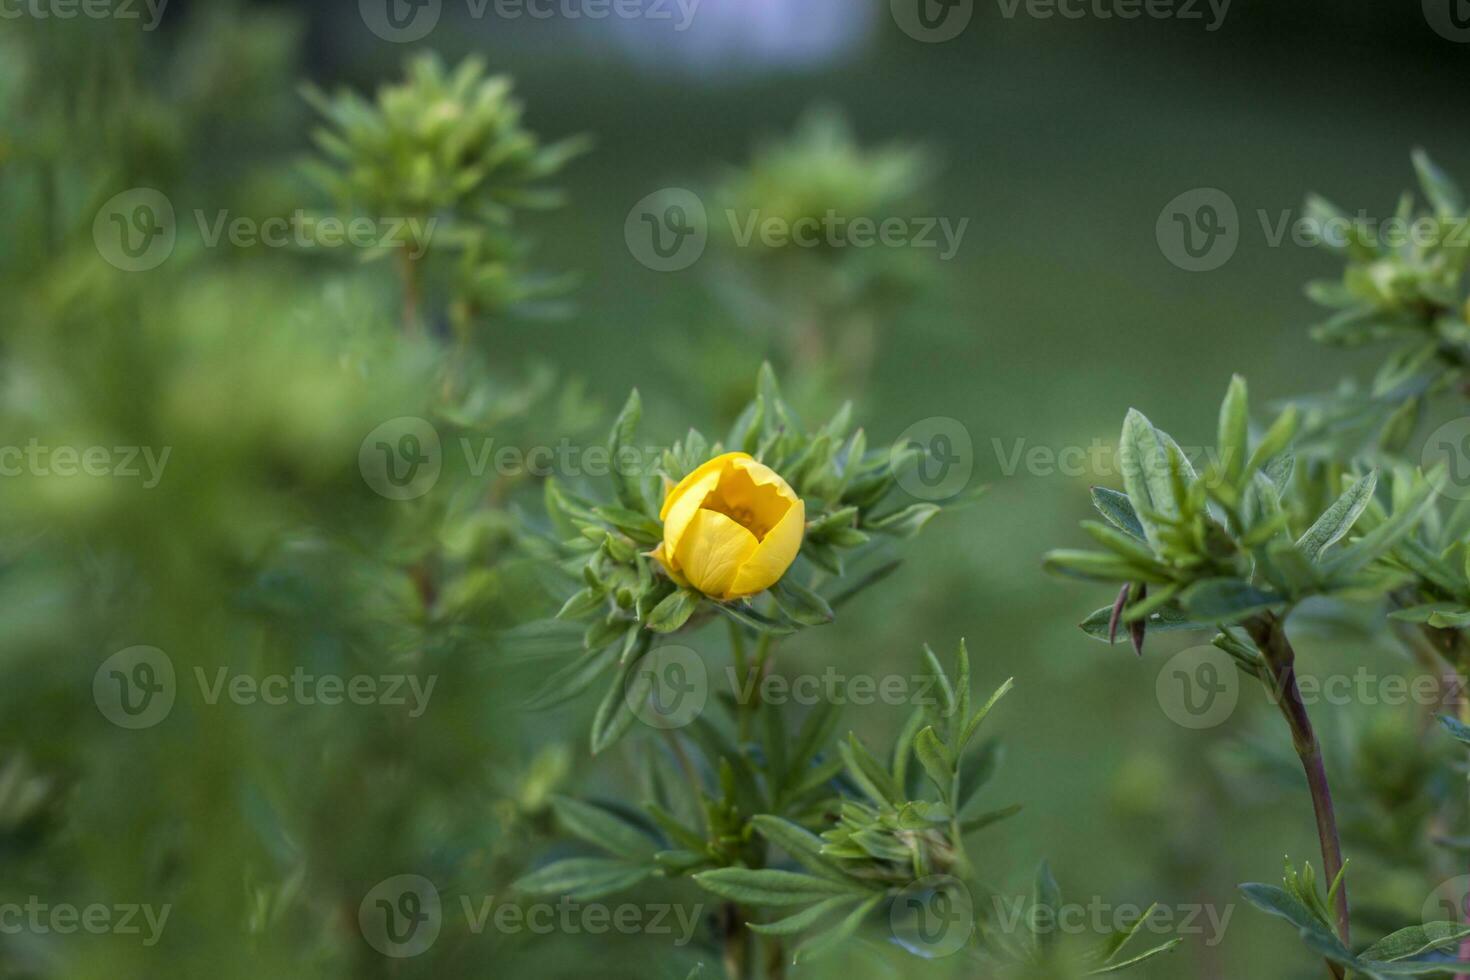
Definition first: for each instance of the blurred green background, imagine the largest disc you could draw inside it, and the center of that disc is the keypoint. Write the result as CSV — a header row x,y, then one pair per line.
x,y
1059,140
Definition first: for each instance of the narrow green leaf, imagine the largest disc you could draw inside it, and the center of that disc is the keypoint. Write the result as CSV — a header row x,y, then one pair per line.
x,y
1338,520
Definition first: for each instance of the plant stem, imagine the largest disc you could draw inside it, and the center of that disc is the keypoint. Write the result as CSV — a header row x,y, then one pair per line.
x,y
1270,638
408,271
750,681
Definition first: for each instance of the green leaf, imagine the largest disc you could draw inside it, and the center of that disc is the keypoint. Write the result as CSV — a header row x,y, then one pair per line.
x,y
1163,621
804,846
870,775
603,828
638,526
1276,901
1446,197
903,523
938,761
1227,600
1377,541
1133,961
804,919
982,820
571,680
1338,520
1234,431
1145,465
1458,729
1416,941
767,887
1118,510
979,717
623,432
674,611
614,715
1100,566
838,934
1274,442
584,879
1045,895
801,604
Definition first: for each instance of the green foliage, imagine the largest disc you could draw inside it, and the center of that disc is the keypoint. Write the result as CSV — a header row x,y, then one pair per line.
x,y
854,512
1219,546
445,153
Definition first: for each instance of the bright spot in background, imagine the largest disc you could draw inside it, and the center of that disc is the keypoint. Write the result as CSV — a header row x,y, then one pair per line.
x,y
743,36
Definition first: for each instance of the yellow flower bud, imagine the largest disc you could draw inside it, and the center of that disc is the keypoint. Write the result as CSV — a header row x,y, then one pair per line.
x,y
731,528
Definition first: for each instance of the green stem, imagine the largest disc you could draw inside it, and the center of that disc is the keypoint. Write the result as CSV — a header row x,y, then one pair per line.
x,y
1270,638
745,708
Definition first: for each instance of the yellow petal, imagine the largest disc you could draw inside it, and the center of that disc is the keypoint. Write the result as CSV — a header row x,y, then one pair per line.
x,y
697,474
770,559
662,555
712,550
684,502
762,475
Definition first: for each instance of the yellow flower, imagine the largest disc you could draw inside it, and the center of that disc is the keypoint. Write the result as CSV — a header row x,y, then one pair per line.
x,y
731,528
